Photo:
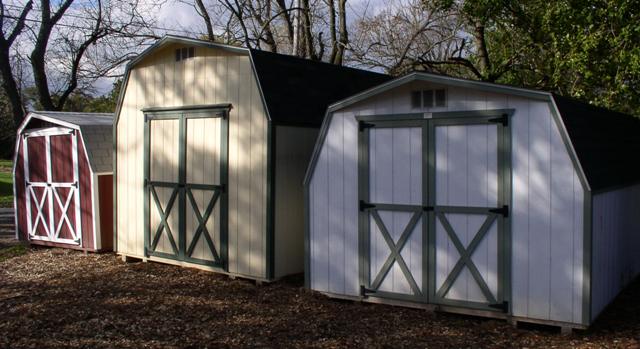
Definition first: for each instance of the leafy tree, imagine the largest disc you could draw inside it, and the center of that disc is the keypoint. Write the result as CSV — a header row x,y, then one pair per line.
x,y
585,49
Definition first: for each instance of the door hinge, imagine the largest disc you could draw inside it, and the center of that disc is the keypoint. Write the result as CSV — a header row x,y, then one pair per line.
x,y
504,306
504,120
504,211
365,292
364,125
365,205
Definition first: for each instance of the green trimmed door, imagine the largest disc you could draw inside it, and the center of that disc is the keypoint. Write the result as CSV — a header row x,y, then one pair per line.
x,y
186,176
467,239
434,197
392,210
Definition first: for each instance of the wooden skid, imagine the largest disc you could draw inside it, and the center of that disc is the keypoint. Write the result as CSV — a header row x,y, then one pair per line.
x,y
565,328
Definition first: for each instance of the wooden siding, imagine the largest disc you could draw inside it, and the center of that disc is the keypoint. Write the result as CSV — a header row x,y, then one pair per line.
x,y
616,242
61,158
547,202
294,146
104,199
211,77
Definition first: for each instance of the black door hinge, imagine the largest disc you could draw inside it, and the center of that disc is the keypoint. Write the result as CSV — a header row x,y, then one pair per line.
x,y
504,211
364,125
504,120
364,292
365,205
504,306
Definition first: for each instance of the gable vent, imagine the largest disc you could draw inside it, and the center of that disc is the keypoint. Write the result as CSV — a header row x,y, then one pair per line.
x,y
184,53
428,98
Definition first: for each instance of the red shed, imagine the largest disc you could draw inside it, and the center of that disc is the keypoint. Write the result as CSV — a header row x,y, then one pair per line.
x,y
63,180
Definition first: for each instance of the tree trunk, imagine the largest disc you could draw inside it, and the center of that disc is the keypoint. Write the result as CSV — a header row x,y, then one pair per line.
x,y
344,35
11,87
484,64
207,20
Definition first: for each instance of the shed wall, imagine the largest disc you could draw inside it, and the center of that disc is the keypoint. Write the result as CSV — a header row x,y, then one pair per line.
x,y
547,203
616,244
294,146
211,77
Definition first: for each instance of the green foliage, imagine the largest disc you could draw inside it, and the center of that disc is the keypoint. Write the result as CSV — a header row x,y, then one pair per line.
x,y
12,251
6,184
587,49
81,101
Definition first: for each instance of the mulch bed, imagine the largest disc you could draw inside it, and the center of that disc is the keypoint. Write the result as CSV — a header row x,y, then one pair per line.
x,y
54,298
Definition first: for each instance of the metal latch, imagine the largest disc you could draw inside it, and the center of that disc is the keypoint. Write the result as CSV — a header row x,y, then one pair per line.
x,y
365,205
427,208
504,211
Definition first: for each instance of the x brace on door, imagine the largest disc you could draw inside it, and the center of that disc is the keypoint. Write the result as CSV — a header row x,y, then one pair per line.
x,y
202,222
465,257
164,215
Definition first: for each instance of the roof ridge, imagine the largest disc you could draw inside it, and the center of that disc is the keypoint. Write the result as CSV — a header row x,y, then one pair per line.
x,y
69,112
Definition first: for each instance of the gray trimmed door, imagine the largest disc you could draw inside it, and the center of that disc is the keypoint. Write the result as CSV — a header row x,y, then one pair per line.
x,y
185,186
392,210
467,238
434,209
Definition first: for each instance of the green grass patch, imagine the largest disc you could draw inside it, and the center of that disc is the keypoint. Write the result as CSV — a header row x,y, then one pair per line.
x,y
6,184
12,251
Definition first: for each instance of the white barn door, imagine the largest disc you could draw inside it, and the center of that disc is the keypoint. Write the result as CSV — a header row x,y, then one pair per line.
x,y
434,197
467,227
186,178
392,208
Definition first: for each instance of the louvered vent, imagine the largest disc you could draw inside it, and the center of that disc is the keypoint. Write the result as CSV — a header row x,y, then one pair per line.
x,y
428,98
184,53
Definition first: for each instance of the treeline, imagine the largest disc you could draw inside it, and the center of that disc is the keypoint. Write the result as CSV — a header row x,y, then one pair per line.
x,y
52,53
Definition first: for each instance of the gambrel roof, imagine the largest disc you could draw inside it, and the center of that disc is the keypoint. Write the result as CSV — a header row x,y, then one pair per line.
x,y
295,91
603,144
96,130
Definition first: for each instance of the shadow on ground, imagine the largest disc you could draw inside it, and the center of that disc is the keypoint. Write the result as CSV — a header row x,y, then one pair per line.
x,y
61,298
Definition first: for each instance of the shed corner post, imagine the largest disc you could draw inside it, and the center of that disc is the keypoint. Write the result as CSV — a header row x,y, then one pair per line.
x,y
271,192
587,256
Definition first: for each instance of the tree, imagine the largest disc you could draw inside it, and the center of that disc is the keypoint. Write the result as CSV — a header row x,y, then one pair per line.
x,y
271,25
72,45
408,35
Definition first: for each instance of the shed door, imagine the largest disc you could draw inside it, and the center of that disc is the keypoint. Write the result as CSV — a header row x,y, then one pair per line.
x,y
186,186
433,196
467,238
51,172
393,215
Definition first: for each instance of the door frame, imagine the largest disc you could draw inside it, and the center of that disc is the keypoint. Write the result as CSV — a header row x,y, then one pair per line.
x,y
50,189
182,114
428,122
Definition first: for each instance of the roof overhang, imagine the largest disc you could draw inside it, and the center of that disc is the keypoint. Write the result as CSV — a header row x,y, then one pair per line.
x,y
449,81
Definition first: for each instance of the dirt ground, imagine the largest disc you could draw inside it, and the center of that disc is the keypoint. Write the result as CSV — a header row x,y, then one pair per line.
x,y
53,298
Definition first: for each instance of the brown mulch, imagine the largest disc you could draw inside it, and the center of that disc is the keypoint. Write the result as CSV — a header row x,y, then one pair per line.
x,y
61,298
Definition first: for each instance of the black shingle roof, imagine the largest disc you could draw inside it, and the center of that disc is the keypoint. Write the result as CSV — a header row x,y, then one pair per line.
x,y
298,91
607,143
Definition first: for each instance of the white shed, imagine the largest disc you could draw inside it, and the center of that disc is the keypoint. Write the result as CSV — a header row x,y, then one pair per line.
x,y
211,144
472,197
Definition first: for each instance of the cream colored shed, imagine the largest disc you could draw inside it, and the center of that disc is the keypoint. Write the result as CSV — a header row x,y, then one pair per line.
x,y
211,145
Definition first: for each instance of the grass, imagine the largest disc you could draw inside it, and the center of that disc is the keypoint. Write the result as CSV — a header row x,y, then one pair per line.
x,y
6,183
12,251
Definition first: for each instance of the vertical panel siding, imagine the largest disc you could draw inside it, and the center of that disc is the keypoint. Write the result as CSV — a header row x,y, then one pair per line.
x,y
616,242
211,77
294,146
547,202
